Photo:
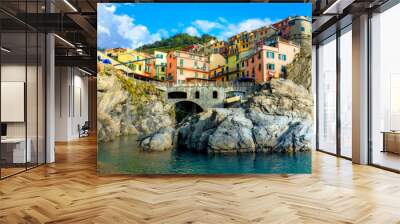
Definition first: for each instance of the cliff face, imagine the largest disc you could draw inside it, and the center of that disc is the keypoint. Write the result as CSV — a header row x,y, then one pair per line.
x,y
126,106
299,71
277,118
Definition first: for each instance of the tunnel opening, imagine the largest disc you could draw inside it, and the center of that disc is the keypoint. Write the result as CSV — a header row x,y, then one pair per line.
x,y
184,109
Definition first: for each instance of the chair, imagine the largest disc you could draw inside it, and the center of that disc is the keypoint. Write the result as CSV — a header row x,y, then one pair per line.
x,y
84,130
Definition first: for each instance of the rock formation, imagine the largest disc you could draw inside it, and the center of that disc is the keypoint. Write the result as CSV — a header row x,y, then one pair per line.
x,y
160,140
277,118
126,106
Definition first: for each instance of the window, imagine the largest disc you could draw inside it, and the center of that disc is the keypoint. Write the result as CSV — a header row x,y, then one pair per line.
x,y
385,88
181,62
181,71
346,93
237,57
270,54
170,65
237,67
242,74
292,23
195,75
302,28
215,93
327,95
163,69
197,95
271,67
259,67
259,55
282,57
195,63
140,67
252,59
252,71
243,64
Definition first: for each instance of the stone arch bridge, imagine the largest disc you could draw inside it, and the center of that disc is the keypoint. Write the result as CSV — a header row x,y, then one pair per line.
x,y
205,95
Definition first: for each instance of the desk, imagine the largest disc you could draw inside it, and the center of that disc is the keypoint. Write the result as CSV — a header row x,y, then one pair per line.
x,y
391,141
16,147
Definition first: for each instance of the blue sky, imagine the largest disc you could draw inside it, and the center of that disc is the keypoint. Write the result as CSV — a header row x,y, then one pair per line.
x,y
134,24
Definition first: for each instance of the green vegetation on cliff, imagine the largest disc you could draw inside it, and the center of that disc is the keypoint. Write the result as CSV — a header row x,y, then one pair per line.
x,y
140,92
177,42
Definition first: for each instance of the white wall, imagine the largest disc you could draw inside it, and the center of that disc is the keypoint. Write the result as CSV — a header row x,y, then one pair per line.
x,y
71,102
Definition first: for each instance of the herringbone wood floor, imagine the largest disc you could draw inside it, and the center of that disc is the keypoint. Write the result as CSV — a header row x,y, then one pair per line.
x,y
69,191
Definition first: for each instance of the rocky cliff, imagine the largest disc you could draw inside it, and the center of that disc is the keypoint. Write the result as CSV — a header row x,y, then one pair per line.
x,y
126,106
276,118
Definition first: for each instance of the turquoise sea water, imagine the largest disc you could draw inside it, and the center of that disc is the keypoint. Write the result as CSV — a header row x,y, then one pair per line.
x,y
123,156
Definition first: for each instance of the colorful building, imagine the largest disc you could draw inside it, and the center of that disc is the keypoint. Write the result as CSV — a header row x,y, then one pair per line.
x,y
233,67
137,62
217,73
217,47
183,65
269,61
160,66
239,43
216,60
114,52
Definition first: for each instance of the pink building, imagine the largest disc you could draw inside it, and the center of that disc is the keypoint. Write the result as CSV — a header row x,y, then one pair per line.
x,y
269,61
183,65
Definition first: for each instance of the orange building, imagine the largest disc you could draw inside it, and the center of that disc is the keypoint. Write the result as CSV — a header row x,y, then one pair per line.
x,y
269,61
183,65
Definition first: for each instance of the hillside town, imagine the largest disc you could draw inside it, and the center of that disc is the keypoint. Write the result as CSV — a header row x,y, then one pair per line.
x,y
256,56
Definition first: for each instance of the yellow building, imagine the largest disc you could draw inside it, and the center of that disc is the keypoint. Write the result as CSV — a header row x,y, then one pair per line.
x,y
114,52
137,59
216,74
217,60
234,65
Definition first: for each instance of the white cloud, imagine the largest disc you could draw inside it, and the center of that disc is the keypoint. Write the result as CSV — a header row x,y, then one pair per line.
x,y
192,31
120,30
102,29
109,8
205,25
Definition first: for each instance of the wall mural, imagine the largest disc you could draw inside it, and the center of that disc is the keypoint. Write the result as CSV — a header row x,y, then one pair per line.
x,y
211,88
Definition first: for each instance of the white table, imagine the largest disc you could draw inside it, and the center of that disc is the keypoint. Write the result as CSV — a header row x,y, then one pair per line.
x,y
19,153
